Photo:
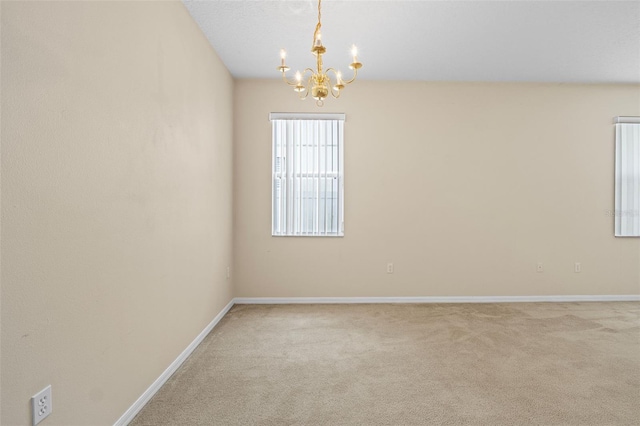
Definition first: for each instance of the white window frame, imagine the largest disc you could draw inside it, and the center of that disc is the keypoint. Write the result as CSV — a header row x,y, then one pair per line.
x,y
291,215
627,177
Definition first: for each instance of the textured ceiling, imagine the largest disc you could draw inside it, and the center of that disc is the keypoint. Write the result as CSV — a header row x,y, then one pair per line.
x,y
533,41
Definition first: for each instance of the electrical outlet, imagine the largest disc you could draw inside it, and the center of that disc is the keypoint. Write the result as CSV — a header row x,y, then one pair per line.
x,y
389,268
539,267
228,272
41,405
577,267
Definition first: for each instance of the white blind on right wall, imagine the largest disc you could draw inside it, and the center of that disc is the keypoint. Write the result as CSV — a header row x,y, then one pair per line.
x,y
627,187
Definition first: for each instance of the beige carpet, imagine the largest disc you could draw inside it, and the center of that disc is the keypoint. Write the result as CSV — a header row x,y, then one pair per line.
x,y
440,364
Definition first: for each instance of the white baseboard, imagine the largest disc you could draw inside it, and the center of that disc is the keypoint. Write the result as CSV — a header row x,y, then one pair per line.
x,y
437,299
126,418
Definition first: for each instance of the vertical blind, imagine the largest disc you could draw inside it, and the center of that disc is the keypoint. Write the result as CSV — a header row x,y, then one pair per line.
x,y
627,169
307,174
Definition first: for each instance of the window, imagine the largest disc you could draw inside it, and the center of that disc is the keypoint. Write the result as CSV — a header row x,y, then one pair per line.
x,y
627,188
307,174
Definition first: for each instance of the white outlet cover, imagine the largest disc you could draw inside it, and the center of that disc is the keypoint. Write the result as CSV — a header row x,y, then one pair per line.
x,y
41,405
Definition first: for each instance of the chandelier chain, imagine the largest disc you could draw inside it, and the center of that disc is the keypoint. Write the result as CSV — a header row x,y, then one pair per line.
x,y
319,24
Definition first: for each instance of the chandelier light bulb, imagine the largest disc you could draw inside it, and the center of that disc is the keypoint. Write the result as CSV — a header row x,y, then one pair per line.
x,y
354,53
339,83
298,76
283,54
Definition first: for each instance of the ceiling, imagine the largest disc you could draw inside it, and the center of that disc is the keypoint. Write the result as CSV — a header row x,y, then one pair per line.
x,y
528,41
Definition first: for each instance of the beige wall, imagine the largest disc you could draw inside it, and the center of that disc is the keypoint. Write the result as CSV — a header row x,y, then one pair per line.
x,y
464,187
116,201
116,197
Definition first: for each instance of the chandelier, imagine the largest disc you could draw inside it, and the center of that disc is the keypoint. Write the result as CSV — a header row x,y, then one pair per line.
x,y
318,80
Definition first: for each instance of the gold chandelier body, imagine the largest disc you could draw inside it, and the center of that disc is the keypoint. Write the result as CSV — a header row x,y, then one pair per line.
x,y
318,81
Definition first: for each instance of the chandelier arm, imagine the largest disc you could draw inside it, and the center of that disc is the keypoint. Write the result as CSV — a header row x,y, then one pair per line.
x,y
308,83
333,93
284,78
335,73
355,74
306,91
